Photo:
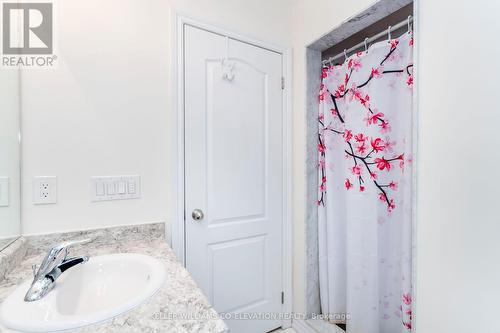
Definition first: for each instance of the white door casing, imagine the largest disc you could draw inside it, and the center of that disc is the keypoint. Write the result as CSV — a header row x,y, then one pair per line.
x,y
233,137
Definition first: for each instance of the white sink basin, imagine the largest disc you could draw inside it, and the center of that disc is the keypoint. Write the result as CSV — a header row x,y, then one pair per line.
x,y
99,289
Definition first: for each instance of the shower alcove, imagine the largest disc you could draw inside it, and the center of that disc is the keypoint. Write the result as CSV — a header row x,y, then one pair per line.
x,y
367,23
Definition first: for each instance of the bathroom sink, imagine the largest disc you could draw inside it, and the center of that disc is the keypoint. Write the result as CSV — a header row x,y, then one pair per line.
x,y
97,290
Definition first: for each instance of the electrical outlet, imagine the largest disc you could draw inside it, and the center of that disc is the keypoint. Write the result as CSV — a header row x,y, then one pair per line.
x,y
44,190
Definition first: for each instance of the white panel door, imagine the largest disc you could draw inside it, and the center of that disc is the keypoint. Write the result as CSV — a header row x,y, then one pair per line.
x,y
233,174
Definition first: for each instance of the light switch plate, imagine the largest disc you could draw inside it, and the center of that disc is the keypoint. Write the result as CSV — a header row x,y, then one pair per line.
x,y
106,188
4,191
44,190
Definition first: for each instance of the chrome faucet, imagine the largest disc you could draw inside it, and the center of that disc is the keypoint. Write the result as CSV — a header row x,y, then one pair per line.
x,y
53,265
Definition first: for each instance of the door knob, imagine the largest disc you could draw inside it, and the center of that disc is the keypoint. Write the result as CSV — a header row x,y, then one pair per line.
x,y
197,214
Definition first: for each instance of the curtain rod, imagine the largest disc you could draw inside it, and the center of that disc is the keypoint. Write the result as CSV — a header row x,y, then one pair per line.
x,y
408,22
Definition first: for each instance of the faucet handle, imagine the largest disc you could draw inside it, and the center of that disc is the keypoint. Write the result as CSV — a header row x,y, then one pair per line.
x,y
65,246
56,255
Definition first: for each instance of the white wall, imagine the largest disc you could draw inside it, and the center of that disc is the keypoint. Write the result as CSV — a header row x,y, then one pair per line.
x,y
9,152
310,20
458,247
104,109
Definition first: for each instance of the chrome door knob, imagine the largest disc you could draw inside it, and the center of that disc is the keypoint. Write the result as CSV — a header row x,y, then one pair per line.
x,y
197,214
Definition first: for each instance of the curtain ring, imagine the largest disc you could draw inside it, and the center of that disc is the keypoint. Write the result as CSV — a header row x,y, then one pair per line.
x,y
345,55
389,32
410,29
366,44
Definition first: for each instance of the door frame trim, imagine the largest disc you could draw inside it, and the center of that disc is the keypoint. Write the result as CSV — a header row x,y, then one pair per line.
x,y
177,233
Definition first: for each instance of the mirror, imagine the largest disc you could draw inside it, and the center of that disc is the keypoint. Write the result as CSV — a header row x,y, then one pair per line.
x,y
10,173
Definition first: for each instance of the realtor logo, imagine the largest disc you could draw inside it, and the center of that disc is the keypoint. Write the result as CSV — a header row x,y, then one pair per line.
x,y
27,35
27,28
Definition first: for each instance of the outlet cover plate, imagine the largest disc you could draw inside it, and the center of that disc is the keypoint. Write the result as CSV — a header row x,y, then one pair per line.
x,y
44,190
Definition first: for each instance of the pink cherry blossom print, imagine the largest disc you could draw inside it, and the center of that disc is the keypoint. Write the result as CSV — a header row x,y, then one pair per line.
x,y
377,145
360,137
391,205
385,127
375,118
347,135
365,101
393,186
382,164
365,174
409,82
376,72
406,299
324,72
356,64
389,145
356,170
340,91
348,184
394,43
361,148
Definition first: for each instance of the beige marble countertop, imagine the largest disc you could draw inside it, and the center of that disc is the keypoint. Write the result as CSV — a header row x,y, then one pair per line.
x,y
178,296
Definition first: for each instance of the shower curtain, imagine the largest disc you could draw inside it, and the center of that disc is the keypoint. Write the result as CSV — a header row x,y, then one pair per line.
x,y
364,196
